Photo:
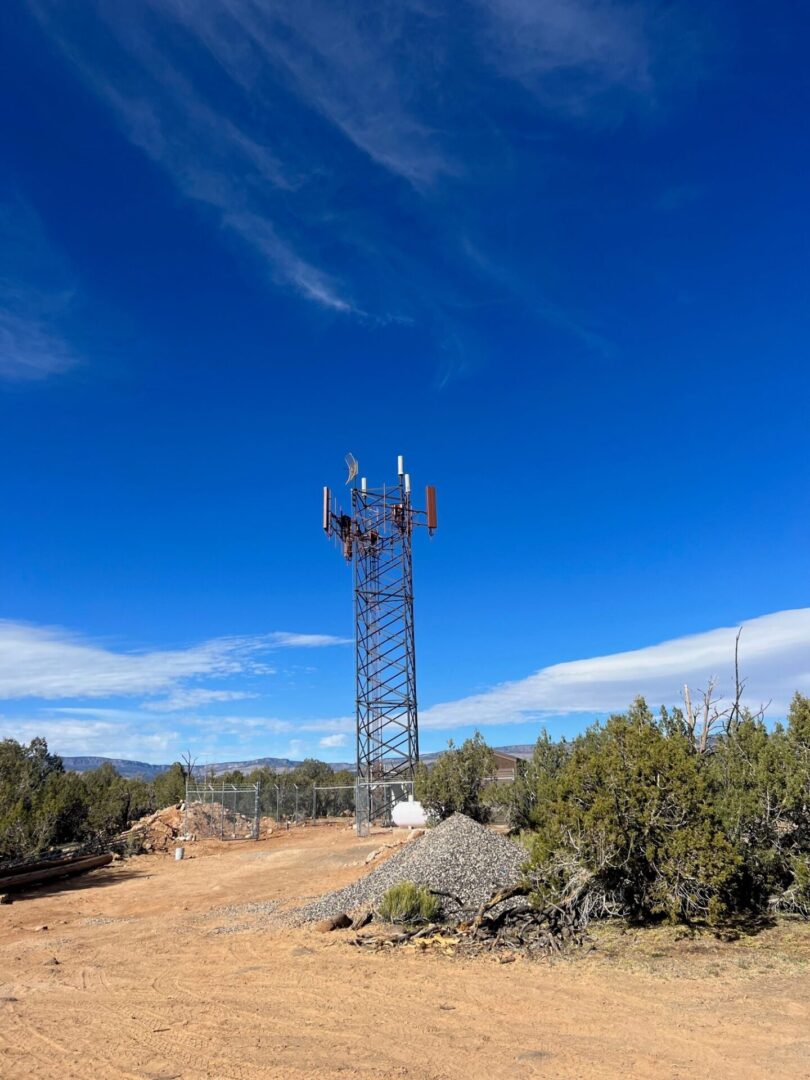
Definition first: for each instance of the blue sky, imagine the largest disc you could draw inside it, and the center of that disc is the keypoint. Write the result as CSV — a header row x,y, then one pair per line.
x,y
555,253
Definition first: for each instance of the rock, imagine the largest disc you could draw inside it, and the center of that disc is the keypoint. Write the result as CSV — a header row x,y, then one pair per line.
x,y
362,919
53,962
335,922
38,928
5,898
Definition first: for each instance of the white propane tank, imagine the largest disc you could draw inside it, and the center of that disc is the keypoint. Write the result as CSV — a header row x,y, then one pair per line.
x,y
409,815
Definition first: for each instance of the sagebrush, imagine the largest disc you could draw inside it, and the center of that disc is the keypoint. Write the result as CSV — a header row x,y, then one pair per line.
x,y
409,903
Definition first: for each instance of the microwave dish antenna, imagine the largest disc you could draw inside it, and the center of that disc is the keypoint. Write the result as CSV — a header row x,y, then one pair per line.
x,y
352,466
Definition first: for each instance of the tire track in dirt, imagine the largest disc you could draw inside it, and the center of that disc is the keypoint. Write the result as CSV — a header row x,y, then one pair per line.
x,y
143,990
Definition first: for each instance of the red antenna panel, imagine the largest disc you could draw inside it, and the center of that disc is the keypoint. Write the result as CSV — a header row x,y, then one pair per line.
x,y
430,503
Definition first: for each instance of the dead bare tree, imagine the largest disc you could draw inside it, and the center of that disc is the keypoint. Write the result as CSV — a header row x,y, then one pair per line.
x,y
733,719
700,723
188,765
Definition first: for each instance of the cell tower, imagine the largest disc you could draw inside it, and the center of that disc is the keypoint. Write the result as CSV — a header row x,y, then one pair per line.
x,y
376,540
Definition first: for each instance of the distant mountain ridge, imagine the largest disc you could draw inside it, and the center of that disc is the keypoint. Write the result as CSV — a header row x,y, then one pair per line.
x,y
129,769
147,771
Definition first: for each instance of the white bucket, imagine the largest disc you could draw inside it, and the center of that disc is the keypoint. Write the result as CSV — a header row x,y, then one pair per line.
x,y
179,852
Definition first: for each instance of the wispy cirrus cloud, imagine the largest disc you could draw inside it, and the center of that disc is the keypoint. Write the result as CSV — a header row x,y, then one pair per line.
x,y
183,127
570,53
188,699
36,294
29,349
52,663
352,65
287,121
774,656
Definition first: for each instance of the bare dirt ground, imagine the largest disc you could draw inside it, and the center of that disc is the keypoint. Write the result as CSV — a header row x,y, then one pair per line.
x,y
155,969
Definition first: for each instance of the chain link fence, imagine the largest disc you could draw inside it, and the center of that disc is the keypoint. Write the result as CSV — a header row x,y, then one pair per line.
x,y
375,802
227,812
367,803
222,811
333,801
292,803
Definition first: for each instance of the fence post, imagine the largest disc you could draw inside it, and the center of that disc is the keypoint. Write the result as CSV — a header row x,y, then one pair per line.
x,y
314,801
296,803
222,816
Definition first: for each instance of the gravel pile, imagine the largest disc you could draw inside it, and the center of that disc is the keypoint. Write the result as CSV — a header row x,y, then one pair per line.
x,y
458,856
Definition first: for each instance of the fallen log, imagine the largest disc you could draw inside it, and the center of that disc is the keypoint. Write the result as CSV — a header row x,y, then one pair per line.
x,y
77,866
28,867
493,901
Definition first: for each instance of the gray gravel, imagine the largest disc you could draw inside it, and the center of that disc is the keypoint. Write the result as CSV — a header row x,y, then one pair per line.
x,y
458,856
252,907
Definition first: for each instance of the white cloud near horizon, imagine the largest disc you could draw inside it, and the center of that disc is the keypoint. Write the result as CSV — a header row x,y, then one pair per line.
x,y
330,742
141,734
774,661
85,737
282,639
50,663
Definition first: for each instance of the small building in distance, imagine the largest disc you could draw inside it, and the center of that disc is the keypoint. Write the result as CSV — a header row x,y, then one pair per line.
x,y
507,766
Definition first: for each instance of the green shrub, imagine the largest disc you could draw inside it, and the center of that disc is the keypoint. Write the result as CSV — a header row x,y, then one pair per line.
x,y
456,783
632,819
409,903
533,784
170,786
43,806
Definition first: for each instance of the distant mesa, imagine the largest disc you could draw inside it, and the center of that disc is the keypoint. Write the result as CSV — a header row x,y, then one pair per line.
x,y
145,771
129,769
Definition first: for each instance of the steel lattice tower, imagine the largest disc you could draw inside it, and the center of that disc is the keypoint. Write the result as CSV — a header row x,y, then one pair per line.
x,y
377,540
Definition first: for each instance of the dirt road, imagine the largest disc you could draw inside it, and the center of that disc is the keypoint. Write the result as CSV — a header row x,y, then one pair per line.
x,y
156,969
